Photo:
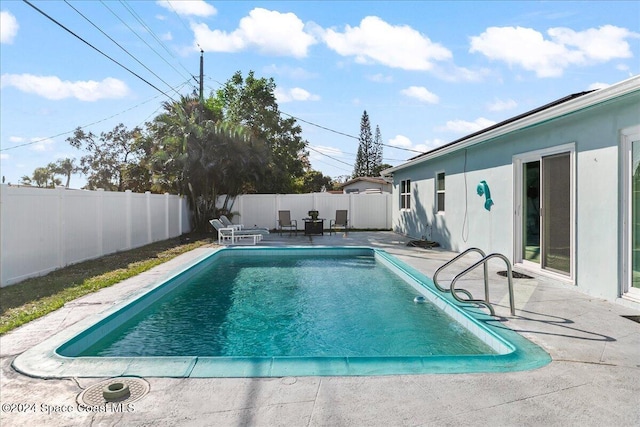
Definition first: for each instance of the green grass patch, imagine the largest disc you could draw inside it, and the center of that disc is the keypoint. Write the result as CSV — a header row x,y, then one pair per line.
x,y
38,296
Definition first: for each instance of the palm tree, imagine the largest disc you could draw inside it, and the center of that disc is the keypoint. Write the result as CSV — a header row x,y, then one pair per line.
x,y
65,167
202,157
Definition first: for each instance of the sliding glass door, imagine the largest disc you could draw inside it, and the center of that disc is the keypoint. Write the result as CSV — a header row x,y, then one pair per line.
x,y
546,214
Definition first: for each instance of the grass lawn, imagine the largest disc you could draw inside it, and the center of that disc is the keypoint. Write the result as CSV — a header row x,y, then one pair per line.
x,y
38,296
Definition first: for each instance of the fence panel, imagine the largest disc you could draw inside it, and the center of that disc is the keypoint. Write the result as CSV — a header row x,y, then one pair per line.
x,y
365,210
113,222
43,229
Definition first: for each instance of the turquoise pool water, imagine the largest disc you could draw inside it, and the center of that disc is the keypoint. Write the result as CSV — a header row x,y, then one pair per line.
x,y
281,306
294,311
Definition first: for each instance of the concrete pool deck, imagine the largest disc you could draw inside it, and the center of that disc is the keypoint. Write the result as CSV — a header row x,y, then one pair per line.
x,y
594,378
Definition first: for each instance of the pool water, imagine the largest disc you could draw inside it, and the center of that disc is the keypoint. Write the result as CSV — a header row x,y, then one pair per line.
x,y
303,306
284,311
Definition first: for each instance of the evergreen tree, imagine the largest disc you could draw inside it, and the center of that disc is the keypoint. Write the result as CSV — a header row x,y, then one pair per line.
x,y
377,152
365,148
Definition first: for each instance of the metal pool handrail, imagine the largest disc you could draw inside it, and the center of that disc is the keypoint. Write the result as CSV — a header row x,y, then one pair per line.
x,y
486,302
464,291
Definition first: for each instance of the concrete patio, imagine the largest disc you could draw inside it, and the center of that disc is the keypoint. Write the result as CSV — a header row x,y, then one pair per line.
x,y
593,380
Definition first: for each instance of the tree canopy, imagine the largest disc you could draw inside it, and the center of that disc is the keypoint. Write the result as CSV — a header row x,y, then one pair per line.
x,y
369,156
235,141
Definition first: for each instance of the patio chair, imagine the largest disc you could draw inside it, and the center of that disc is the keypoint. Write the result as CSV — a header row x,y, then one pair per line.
x,y
340,223
285,222
231,236
227,223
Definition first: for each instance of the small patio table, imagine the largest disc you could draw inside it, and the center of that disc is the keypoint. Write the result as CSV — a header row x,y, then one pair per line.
x,y
313,226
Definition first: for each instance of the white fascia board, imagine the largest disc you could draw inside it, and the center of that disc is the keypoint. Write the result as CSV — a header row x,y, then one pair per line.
x,y
589,100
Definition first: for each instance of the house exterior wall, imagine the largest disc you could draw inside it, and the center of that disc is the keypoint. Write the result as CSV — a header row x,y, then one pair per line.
x,y
595,134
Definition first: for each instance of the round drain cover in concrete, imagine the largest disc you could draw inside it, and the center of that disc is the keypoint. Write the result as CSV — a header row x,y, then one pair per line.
x,y
93,395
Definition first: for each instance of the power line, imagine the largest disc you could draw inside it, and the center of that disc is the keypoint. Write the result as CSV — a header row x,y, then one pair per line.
x,y
94,48
346,134
332,158
335,131
118,44
153,34
87,125
183,23
141,39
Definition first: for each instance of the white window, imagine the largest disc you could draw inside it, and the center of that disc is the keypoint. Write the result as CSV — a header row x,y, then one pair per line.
x,y
405,194
440,192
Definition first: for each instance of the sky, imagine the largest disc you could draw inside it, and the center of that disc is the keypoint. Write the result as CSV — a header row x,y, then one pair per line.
x,y
426,72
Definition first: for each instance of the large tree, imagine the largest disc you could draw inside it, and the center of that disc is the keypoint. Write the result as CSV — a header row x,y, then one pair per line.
x,y
202,156
251,103
377,153
66,167
112,158
364,157
313,182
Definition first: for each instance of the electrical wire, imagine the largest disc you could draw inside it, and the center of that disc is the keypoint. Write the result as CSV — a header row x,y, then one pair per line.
x,y
93,47
141,39
345,134
118,44
89,124
182,21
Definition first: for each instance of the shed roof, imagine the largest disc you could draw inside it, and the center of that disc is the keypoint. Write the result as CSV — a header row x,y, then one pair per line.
x,y
375,180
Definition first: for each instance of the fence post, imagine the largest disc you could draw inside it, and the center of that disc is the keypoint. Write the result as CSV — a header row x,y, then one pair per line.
x,y
61,227
148,200
100,221
128,215
166,215
352,210
180,204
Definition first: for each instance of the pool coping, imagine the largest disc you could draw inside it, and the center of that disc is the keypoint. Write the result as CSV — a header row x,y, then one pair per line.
x,y
516,352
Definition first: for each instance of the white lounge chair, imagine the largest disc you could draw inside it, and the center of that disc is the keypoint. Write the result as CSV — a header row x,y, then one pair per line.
x,y
227,223
231,236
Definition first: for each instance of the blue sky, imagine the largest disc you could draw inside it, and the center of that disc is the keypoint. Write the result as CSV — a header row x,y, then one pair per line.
x,y
427,73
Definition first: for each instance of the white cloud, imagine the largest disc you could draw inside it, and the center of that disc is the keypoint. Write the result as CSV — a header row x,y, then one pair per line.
x,y
166,36
400,141
598,85
331,151
8,27
189,7
270,32
51,87
4,156
528,48
41,144
452,73
502,105
465,127
430,145
394,46
297,73
16,139
380,78
421,93
294,94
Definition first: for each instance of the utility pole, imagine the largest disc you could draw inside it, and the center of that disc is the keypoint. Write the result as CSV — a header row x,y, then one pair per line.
x,y
201,84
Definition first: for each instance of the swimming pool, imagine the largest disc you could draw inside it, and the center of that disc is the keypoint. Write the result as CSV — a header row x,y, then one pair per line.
x,y
256,312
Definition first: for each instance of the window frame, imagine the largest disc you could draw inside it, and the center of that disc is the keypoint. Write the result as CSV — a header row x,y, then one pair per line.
x,y
438,192
405,194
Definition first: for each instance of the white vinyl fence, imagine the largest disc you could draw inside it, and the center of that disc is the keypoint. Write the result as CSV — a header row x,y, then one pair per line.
x,y
365,211
42,230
